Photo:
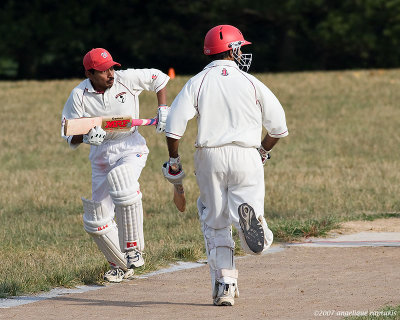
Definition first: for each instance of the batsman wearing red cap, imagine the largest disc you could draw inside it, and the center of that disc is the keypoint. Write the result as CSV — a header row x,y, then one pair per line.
x,y
117,158
231,107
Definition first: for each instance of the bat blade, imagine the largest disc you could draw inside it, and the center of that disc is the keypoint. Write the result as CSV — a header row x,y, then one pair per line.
x,y
81,125
179,197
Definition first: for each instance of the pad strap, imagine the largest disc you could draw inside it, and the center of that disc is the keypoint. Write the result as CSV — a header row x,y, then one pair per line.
x,y
220,242
232,273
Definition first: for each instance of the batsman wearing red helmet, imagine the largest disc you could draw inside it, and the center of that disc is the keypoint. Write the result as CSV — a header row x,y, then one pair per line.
x,y
231,107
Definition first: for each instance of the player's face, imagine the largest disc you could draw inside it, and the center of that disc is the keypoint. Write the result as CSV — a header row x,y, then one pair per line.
x,y
102,80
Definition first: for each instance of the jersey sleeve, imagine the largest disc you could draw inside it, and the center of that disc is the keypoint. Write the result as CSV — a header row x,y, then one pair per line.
x,y
73,108
146,79
182,110
273,115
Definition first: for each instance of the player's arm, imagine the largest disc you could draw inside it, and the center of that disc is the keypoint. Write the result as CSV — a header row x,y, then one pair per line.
x,y
78,139
269,142
173,146
162,96
162,110
182,110
151,80
273,119
72,110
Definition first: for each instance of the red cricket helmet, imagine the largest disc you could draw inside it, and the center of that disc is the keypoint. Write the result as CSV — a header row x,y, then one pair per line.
x,y
220,39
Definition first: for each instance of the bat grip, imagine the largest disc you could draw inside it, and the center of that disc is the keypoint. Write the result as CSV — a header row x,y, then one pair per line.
x,y
144,122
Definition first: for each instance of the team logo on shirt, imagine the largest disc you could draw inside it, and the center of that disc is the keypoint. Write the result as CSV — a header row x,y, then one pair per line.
x,y
121,97
154,77
224,72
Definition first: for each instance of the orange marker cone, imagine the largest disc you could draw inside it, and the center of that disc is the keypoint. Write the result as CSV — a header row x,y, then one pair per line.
x,y
171,73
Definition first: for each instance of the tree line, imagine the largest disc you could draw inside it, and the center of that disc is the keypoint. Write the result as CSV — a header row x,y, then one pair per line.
x,y
46,39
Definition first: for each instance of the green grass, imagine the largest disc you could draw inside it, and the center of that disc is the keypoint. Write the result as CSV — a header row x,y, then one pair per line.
x,y
339,163
387,313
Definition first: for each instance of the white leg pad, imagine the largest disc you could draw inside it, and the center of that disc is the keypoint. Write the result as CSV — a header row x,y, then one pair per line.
x,y
126,195
219,248
268,237
98,222
130,226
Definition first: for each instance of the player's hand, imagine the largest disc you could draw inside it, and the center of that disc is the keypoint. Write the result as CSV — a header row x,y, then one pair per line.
x,y
162,114
95,136
265,156
173,171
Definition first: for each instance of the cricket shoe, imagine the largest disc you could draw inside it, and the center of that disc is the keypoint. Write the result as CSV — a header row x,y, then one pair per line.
x,y
225,293
116,275
134,259
252,228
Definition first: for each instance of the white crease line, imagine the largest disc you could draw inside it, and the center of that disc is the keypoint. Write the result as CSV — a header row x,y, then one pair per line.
x,y
346,244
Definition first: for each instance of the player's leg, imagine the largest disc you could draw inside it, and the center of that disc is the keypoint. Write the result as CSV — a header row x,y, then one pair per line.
x,y
220,257
98,222
214,218
125,193
98,213
246,200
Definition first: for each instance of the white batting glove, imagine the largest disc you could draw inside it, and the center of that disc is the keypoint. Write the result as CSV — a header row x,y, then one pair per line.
x,y
95,136
173,171
265,156
162,114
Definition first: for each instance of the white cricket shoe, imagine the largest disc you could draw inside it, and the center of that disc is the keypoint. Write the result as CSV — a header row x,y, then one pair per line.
x,y
116,275
224,294
134,259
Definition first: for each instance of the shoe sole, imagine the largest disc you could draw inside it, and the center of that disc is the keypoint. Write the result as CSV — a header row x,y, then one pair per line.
x,y
113,281
251,227
223,303
136,265
129,277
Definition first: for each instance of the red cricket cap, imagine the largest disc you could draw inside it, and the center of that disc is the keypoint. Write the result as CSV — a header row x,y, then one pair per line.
x,y
99,59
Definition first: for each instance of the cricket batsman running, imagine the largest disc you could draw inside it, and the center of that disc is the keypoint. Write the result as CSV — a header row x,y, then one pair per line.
x,y
117,158
231,107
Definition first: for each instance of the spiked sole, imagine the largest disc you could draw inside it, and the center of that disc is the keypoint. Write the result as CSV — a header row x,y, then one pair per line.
x,y
251,227
224,302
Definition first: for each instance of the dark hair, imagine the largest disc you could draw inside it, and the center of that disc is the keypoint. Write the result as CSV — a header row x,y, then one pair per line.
x,y
220,56
91,71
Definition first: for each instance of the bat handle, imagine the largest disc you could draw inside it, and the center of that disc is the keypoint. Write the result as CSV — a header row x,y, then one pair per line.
x,y
179,188
144,122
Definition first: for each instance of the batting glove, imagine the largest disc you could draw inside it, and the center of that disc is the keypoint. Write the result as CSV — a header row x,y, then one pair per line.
x,y
173,171
265,156
95,136
162,114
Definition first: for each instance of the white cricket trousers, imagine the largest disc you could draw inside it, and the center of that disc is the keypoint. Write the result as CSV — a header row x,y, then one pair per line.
x,y
130,150
228,176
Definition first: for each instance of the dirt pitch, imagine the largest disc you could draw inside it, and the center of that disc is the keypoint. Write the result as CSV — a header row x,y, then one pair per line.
x,y
294,283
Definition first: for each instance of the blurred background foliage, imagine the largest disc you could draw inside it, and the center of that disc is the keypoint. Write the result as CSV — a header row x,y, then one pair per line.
x,y
46,39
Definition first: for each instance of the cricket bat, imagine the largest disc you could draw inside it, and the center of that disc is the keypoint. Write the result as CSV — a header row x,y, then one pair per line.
x,y
179,197
115,124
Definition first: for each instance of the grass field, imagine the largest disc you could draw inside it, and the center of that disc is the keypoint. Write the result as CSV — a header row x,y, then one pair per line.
x,y
340,162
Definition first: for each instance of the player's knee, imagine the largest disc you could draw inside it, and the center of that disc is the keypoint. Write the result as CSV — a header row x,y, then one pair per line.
x,y
98,222
97,219
124,188
220,247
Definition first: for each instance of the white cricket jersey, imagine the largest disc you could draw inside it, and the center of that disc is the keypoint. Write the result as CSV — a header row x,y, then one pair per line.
x,y
121,99
231,107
